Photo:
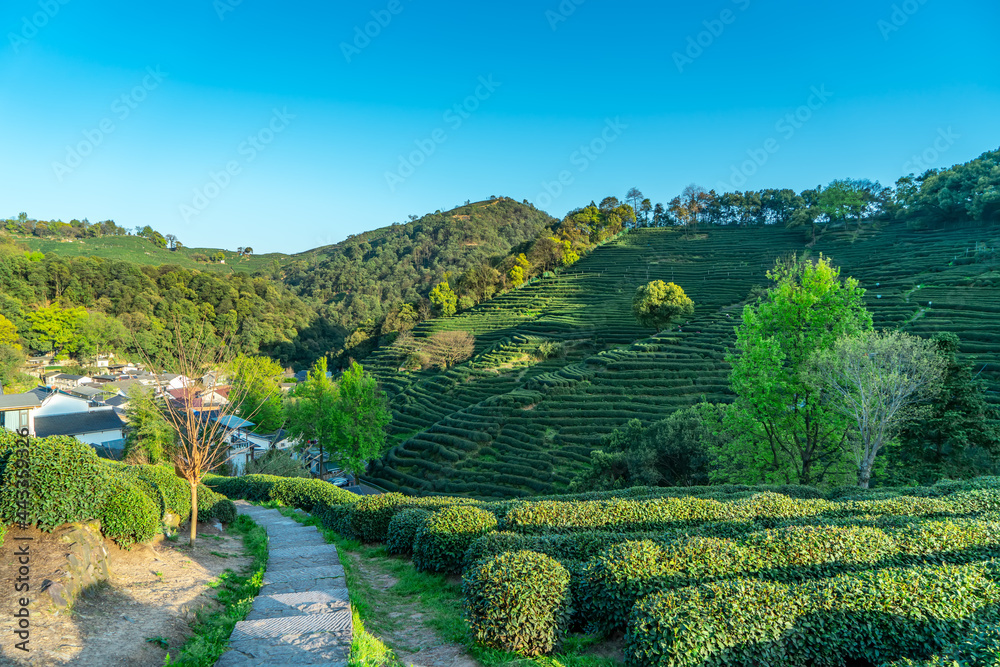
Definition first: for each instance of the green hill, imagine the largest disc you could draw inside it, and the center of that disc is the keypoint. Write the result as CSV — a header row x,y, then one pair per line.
x,y
510,422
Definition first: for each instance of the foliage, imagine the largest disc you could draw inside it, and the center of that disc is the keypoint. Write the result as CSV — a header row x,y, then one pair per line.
x,y
402,531
128,516
875,380
257,383
8,334
168,491
671,452
518,602
789,433
958,436
312,410
444,299
305,494
441,541
148,434
658,303
362,415
864,617
279,463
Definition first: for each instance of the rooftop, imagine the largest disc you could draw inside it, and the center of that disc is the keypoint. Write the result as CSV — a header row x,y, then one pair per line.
x,y
77,423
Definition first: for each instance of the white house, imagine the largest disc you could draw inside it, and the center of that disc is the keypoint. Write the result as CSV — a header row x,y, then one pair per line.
x,y
47,412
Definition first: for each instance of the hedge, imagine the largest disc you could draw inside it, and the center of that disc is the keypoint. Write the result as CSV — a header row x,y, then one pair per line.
x,y
980,649
212,505
402,531
625,572
128,516
170,492
371,515
300,492
519,602
443,538
67,481
336,518
872,616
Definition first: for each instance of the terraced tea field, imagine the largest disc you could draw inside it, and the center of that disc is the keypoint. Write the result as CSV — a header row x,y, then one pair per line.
x,y
510,422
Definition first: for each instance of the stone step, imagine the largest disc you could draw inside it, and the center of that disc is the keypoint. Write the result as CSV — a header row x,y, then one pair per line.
x,y
300,573
303,585
297,604
278,551
303,539
338,623
315,648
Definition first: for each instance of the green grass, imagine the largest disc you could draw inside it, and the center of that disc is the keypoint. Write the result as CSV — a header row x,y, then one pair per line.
x,y
236,592
436,597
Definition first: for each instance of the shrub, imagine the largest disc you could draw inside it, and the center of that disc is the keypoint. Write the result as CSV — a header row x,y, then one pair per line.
x,y
402,532
128,516
168,491
444,537
980,649
67,482
335,517
870,617
225,510
212,505
371,515
518,601
307,493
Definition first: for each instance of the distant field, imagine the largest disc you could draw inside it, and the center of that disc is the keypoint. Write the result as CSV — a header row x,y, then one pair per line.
x,y
141,251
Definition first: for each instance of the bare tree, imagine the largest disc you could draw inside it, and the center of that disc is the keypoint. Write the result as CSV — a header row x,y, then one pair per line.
x,y
202,441
876,380
448,348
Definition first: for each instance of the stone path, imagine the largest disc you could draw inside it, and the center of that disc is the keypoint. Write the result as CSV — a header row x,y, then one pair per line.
x,y
302,615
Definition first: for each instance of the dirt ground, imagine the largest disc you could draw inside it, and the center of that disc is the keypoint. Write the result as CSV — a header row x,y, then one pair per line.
x,y
413,642
152,594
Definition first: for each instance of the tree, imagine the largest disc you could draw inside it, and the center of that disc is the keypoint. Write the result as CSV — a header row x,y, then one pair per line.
x,y
874,380
634,197
313,410
11,360
788,433
278,462
8,334
691,202
171,241
54,328
363,415
448,348
257,381
149,436
444,299
657,303
959,435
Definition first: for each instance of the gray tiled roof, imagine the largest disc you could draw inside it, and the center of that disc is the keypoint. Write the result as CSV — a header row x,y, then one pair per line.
x,y
19,401
77,423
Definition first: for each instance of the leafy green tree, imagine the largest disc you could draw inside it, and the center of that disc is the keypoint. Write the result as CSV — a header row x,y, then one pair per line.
x,y
657,303
875,380
363,414
670,452
788,434
149,435
8,334
54,328
11,360
959,436
258,384
444,300
313,411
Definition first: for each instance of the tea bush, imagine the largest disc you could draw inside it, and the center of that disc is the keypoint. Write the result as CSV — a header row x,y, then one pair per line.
x,y
402,532
518,602
443,538
128,516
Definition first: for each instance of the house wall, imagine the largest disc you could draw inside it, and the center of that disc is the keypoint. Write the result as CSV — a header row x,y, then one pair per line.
x,y
61,404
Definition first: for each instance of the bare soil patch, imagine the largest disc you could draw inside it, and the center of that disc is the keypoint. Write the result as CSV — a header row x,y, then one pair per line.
x,y
152,593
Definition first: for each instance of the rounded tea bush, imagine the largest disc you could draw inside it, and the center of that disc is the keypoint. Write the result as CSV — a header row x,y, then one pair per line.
x,y
402,531
519,602
444,537
128,516
371,515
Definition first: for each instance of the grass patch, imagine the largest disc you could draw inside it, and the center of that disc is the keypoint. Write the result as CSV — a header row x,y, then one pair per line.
x,y
236,591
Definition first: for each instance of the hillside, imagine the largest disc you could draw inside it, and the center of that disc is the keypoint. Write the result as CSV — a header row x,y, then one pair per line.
x,y
509,422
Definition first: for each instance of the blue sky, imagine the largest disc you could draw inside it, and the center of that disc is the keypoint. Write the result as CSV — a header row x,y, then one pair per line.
x,y
283,126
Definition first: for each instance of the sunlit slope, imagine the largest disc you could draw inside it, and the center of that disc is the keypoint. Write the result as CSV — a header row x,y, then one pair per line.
x,y
507,423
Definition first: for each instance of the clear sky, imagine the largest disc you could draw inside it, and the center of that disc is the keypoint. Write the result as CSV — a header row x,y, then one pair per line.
x,y
283,126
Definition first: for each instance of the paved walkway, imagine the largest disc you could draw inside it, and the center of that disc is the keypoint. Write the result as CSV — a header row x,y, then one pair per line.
x,y
301,615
